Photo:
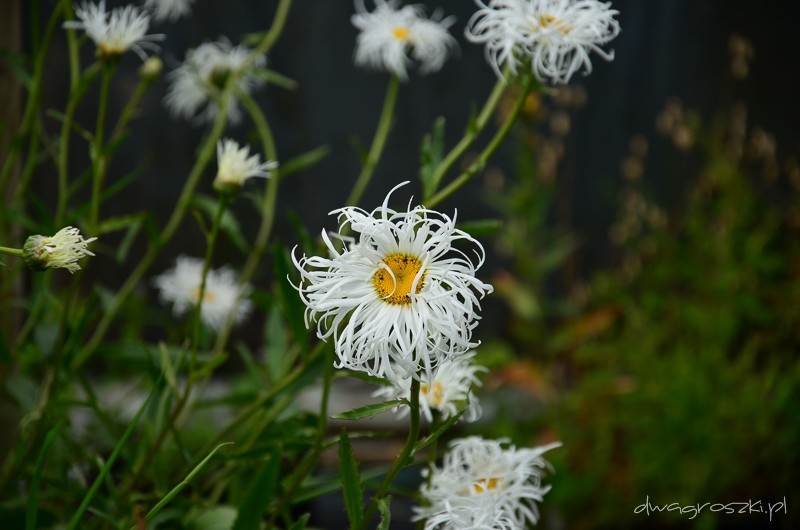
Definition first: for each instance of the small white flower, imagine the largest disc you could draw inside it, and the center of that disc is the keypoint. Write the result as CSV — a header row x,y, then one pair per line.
x,y
197,83
401,299
552,37
448,390
235,165
114,33
484,485
181,287
388,35
61,251
169,9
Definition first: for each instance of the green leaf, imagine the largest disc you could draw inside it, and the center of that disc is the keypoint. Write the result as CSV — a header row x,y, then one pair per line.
x,y
431,155
274,78
386,515
432,437
301,523
216,518
252,509
351,481
292,305
303,161
228,224
481,228
370,410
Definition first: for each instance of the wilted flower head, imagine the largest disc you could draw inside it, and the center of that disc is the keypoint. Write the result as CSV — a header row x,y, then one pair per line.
x,y
169,9
389,35
448,390
114,33
197,83
235,165
484,484
551,37
402,298
61,251
181,287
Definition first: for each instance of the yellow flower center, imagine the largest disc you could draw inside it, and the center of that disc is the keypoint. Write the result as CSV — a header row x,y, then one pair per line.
x,y
434,393
208,296
549,21
395,287
400,33
485,484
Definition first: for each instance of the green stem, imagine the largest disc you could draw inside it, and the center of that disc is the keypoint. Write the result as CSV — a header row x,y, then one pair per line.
x,y
378,142
473,131
402,459
98,157
17,252
487,152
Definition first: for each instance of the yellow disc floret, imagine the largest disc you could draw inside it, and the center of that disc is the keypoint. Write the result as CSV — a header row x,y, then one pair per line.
x,y
394,282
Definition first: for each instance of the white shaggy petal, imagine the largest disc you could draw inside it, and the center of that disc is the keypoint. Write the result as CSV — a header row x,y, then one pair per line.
x,y
235,165
169,9
114,33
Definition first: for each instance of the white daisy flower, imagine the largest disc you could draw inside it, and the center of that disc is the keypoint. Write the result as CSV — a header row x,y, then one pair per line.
x,y
197,83
235,165
484,485
61,251
448,390
402,298
181,287
552,37
390,34
114,33
169,9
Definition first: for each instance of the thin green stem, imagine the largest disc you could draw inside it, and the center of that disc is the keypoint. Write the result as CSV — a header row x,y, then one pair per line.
x,y
17,252
98,157
378,142
472,133
402,459
487,152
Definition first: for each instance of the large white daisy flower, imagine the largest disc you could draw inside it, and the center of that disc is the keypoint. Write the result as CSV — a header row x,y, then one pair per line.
x,y
169,9
114,33
390,34
235,165
61,251
552,37
484,485
448,391
181,287
196,84
399,300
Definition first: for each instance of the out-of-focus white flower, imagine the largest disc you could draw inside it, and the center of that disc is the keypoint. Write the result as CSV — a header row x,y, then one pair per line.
x,y
195,86
114,33
181,287
484,484
402,299
235,165
61,251
169,9
448,391
390,34
551,37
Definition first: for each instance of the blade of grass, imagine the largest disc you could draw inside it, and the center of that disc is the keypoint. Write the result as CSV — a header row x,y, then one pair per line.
x,y
33,497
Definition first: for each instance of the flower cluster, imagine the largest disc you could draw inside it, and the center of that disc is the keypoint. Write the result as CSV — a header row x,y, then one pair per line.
x,y
485,484
61,251
195,86
402,298
552,37
181,286
389,34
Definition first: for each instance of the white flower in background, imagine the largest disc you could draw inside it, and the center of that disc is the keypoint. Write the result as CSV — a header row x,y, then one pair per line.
x,y
194,87
169,9
114,33
401,299
61,251
181,287
551,37
390,34
448,390
484,484
235,165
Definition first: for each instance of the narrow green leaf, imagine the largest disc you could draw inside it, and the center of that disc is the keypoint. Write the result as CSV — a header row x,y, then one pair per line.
x,y
481,228
292,305
276,345
351,481
301,523
262,489
274,78
431,153
370,410
438,432
228,224
33,495
386,514
303,161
